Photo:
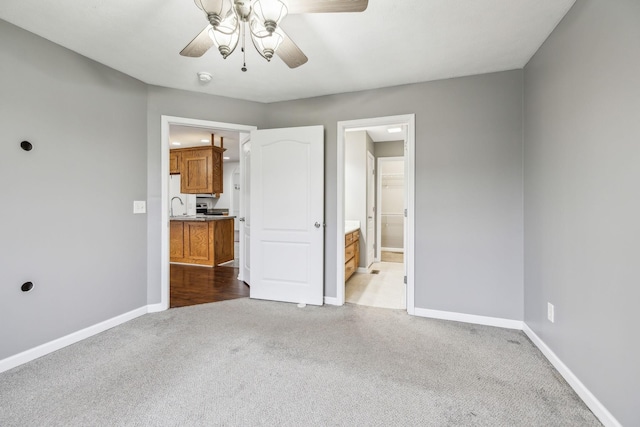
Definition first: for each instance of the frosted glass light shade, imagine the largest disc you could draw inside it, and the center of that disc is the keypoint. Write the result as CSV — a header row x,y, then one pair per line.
x,y
269,13
268,44
216,10
226,35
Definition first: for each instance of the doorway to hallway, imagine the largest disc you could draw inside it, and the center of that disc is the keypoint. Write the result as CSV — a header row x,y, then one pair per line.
x,y
377,282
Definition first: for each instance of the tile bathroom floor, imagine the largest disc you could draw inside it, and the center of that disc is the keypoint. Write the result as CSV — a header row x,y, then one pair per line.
x,y
385,289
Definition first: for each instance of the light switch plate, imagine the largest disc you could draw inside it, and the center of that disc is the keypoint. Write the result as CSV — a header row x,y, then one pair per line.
x,y
139,206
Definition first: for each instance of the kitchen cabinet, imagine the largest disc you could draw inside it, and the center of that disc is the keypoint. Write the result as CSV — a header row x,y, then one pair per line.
x,y
175,157
351,253
201,170
202,242
176,240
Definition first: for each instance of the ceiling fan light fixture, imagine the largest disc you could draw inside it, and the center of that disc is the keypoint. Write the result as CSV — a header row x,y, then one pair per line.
x,y
229,19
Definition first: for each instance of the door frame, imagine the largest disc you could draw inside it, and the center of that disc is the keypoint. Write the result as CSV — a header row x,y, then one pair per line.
x,y
407,120
244,138
379,201
371,240
165,145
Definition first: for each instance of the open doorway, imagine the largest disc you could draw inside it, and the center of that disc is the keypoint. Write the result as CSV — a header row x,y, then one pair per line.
x,y
204,238
362,227
200,210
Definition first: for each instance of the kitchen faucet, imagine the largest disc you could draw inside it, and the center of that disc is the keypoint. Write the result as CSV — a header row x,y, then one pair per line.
x,y
171,203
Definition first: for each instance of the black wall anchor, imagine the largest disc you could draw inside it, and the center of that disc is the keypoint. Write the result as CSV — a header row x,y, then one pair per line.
x,y
26,145
26,286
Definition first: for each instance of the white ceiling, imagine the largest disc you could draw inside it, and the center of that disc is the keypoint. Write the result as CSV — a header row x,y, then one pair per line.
x,y
391,43
189,136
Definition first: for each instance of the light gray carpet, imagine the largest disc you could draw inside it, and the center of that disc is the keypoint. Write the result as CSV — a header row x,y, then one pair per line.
x,y
247,363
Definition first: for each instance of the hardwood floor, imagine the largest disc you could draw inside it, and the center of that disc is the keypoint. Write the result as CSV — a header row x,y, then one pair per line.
x,y
191,285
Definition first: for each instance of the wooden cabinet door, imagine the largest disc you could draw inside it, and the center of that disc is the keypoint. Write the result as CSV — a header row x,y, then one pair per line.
x,y
223,241
196,241
216,174
174,162
196,171
176,240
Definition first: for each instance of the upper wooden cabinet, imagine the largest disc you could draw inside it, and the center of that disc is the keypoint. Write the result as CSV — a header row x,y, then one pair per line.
x,y
201,170
174,161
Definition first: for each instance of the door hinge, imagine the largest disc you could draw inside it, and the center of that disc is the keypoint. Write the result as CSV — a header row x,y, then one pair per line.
x,y
405,280
405,213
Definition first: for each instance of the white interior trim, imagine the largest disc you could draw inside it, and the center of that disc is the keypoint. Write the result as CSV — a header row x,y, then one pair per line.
x,y
470,318
407,120
154,308
392,249
331,301
166,121
587,397
72,338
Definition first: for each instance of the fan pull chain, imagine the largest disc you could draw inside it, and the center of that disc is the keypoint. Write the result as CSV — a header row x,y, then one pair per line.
x,y
244,53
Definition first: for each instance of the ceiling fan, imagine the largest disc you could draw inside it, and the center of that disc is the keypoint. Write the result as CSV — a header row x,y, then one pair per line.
x,y
228,20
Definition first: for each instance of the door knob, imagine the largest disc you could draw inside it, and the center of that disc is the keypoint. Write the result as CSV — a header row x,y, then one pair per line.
x,y
317,224
241,219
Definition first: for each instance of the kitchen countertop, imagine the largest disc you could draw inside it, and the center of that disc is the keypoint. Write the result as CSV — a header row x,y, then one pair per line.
x,y
200,217
351,226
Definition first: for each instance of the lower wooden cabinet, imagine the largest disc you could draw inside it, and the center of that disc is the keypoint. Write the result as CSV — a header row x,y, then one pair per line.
x,y
201,242
351,253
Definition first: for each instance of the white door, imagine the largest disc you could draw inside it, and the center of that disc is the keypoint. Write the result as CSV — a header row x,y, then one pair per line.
x,y
287,213
245,211
371,209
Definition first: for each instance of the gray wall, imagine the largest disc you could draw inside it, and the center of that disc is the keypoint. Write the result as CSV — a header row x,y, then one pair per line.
x,y
468,184
67,221
171,102
389,149
582,203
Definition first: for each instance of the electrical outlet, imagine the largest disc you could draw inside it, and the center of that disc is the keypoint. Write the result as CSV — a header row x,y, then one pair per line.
x,y
139,207
551,314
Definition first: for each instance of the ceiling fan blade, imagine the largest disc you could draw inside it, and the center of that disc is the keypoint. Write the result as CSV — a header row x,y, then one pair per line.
x,y
326,6
290,53
199,45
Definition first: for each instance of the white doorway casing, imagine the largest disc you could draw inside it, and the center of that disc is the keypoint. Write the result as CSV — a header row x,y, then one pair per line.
x,y
165,123
408,122
371,209
244,220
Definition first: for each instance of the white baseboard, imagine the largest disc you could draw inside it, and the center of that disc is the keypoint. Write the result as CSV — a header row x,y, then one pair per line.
x,y
469,318
331,301
589,399
363,270
154,308
46,348
392,249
